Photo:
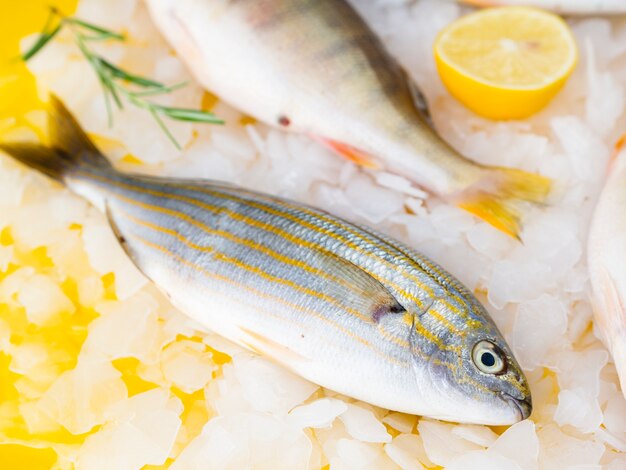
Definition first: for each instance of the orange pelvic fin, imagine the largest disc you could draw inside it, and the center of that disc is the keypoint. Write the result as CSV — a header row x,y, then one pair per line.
x,y
499,197
353,154
617,148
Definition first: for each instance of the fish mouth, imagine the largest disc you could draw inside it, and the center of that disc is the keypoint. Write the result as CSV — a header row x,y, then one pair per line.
x,y
524,406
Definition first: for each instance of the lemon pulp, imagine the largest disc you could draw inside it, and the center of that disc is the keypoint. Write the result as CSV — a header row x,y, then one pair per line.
x,y
505,63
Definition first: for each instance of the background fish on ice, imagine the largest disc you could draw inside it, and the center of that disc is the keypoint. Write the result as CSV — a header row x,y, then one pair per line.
x,y
315,67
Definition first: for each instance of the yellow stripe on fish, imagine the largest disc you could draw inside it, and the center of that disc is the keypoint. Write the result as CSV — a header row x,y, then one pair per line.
x,y
290,237
263,294
240,264
245,266
402,291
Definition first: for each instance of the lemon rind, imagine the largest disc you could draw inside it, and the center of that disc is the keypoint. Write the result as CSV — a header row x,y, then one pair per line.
x,y
563,72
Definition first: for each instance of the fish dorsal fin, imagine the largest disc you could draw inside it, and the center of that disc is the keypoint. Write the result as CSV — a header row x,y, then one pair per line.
x,y
419,100
369,297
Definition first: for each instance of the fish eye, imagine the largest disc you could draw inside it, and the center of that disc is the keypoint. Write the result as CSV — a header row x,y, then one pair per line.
x,y
488,358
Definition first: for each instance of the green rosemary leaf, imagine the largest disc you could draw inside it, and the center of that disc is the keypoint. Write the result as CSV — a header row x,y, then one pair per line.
x,y
104,33
136,79
158,91
163,127
110,90
110,86
94,37
109,108
41,41
113,79
103,77
191,115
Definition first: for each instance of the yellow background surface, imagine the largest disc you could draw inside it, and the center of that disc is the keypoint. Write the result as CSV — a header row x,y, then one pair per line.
x,y
18,19
17,97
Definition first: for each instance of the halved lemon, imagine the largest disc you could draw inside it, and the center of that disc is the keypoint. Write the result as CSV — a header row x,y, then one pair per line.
x,y
507,62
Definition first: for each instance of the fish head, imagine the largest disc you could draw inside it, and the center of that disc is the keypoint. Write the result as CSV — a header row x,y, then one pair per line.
x,y
476,379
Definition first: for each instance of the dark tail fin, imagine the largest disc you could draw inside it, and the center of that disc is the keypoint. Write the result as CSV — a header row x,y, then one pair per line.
x,y
69,146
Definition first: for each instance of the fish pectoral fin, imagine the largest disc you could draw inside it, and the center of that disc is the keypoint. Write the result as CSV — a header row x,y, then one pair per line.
x,y
387,307
266,347
358,289
353,154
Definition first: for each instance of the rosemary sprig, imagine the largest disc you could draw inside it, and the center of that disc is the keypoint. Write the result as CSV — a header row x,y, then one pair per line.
x,y
103,33
45,36
114,80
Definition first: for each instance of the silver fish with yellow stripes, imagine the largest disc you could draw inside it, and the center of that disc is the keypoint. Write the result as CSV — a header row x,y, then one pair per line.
x,y
334,302
315,67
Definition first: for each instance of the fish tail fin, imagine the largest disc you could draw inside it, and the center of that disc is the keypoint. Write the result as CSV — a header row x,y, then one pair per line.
x,y
69,146
499,197
39,157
